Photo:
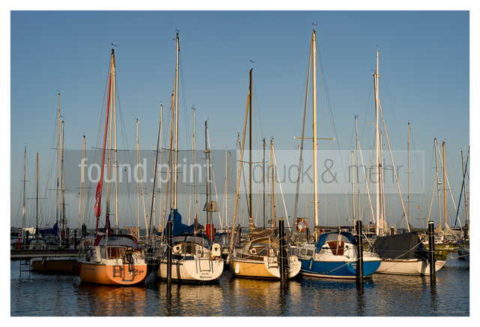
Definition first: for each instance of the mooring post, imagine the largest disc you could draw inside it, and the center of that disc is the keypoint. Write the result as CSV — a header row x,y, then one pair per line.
x,y
283,263
431,251
67,237
169,252
358,227
75,239
27,239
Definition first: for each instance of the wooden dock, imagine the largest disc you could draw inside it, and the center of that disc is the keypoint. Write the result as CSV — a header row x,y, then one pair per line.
x,y
30,254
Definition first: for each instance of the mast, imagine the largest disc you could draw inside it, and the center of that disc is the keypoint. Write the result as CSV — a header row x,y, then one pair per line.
x,y
194,160
378,160
352,160
137,150
225,187
99,189
62,179
157,150
272,165
115,147
58,157
208,181
408,169
81,215
264,181
437,182
37,181
251,224
444,167
176,113
24,195
357,148
314,126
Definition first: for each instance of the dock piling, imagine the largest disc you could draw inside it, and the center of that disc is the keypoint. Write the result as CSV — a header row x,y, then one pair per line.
x,y
431,252
169,252
283,260
358,227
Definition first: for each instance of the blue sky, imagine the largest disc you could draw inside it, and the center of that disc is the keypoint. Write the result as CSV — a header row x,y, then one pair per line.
x,y
424,75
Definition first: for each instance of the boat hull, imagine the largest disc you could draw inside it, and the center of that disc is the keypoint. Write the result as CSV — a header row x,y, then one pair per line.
x,y
201,270
54,266
413,267
337,269
112,274
263,269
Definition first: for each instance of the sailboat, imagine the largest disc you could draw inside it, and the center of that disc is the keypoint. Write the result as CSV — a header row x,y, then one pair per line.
x,y
259,256
112,259
333,255
194,256
401,254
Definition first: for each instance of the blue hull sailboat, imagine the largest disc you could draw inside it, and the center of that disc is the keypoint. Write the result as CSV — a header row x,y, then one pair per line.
x,y
335,256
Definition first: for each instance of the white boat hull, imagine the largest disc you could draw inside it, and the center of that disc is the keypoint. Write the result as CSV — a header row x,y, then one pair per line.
x,y
408,267
203,270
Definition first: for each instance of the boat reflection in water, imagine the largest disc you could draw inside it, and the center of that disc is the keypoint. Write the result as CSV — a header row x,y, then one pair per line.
x,y
264,297
112,300
190,299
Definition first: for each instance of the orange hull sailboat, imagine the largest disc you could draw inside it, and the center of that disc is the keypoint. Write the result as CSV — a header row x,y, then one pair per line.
x,y
112,259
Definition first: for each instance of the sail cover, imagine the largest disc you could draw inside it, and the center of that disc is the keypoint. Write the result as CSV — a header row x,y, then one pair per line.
x,y
179,228
400,246
342,236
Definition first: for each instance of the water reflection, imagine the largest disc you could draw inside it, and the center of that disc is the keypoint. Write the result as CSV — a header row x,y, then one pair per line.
x,y
384,295
190,299
111,300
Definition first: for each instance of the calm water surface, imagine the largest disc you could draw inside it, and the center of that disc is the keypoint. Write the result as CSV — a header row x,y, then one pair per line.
x,y
384,295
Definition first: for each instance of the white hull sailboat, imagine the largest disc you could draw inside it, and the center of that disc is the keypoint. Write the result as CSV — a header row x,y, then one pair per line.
x,y
193,260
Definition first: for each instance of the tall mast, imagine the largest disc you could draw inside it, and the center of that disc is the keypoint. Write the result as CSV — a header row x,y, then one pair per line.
x,y
139,192
378,160
194,160
444,167
251,223
408,169
176,113
37,180
81,214
357,148
155,168
115,147
272,165
24,195
58,157
264,181
99,189
225,187
62,178
314,126
352,162
208,181
437,182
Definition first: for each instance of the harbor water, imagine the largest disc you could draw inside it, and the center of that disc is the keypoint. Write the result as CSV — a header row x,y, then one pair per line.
x,y
385,295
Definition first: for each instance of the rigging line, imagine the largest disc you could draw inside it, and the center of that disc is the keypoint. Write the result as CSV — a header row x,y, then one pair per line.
x,y
302,141
461,191
366,179
394,169
280,185
220,218
241,145
434,190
